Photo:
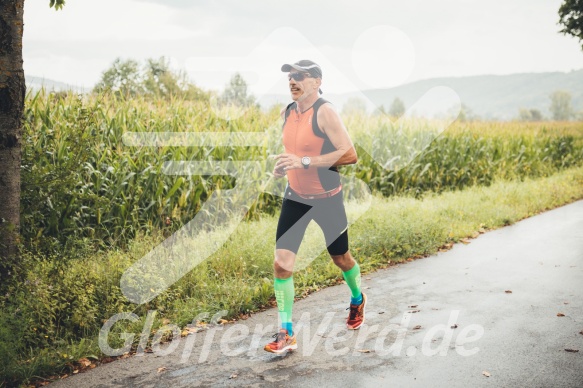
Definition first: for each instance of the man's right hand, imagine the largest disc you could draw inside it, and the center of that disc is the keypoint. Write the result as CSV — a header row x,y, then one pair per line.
x,y
278,173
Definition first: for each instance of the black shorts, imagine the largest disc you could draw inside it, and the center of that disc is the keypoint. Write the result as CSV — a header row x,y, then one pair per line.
x,y
296,214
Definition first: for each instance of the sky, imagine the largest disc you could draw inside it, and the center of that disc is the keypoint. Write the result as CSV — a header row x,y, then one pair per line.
x,y
360,45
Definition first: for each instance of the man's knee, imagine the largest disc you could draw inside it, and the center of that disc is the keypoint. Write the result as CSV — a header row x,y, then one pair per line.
x,y
345,261
283,264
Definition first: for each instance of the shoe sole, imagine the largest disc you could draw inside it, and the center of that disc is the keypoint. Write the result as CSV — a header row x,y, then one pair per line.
x,y
285,349
363,317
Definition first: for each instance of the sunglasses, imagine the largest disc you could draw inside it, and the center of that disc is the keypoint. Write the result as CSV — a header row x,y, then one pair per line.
x,y
298,76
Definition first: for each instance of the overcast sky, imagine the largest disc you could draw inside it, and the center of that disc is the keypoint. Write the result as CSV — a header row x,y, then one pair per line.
x,y
360,44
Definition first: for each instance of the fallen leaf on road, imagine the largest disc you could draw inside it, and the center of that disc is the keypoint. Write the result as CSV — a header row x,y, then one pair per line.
x,y
364,350
223,321
454,326
381,312
233,376
413,306
162,369
413,311
76,371
581,332
572,350
465,240
508,292
417,327
188,330
84,362
565,302
486,373
560,315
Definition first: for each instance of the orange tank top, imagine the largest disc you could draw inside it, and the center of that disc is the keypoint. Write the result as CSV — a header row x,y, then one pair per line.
x,y
303,137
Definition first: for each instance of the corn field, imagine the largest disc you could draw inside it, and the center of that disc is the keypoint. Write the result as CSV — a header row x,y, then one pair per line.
x,y
79,178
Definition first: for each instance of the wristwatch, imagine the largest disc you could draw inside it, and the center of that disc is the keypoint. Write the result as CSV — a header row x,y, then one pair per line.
x,y
306,162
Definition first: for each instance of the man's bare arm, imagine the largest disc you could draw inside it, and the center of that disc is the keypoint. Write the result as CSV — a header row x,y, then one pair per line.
x,y
331,124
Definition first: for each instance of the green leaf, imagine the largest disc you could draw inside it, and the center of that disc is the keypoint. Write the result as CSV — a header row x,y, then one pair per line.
x,y
57,4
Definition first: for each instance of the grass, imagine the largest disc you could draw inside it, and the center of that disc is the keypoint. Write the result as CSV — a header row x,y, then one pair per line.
x,y
62,306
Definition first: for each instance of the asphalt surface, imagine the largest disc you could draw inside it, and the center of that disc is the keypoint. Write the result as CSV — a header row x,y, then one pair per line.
x,y
473,331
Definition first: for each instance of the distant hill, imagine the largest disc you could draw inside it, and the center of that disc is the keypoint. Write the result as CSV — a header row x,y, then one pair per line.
x,y
36,83
488,96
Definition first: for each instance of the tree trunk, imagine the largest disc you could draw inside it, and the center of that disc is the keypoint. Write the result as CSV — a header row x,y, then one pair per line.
x,y
12,90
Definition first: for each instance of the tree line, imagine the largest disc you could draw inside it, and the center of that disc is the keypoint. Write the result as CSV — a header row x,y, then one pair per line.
x,y
560,107
156,78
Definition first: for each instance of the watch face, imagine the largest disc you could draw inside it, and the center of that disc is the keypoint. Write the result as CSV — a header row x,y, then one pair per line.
x,y
306,160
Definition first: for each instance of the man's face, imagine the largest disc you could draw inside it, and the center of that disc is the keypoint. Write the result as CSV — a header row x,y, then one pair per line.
x,y
300,90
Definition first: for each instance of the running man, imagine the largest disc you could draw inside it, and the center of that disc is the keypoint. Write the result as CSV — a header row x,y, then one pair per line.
x,y
315,142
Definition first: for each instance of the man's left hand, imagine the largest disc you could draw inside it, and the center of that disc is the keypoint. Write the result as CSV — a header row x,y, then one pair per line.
x,y
288,162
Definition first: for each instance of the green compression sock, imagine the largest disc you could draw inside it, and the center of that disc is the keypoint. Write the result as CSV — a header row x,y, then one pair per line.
x,y
352,277
284,295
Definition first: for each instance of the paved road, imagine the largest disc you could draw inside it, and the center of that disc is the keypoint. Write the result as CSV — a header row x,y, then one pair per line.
x,y
517,338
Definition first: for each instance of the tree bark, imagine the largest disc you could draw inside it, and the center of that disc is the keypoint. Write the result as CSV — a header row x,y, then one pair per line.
x,y
12,91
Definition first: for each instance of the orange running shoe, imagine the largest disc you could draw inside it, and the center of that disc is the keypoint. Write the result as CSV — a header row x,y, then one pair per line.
x,y
282,343
356,317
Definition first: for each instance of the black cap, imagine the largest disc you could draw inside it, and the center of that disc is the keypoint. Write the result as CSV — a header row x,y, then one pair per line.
x,y
305,65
